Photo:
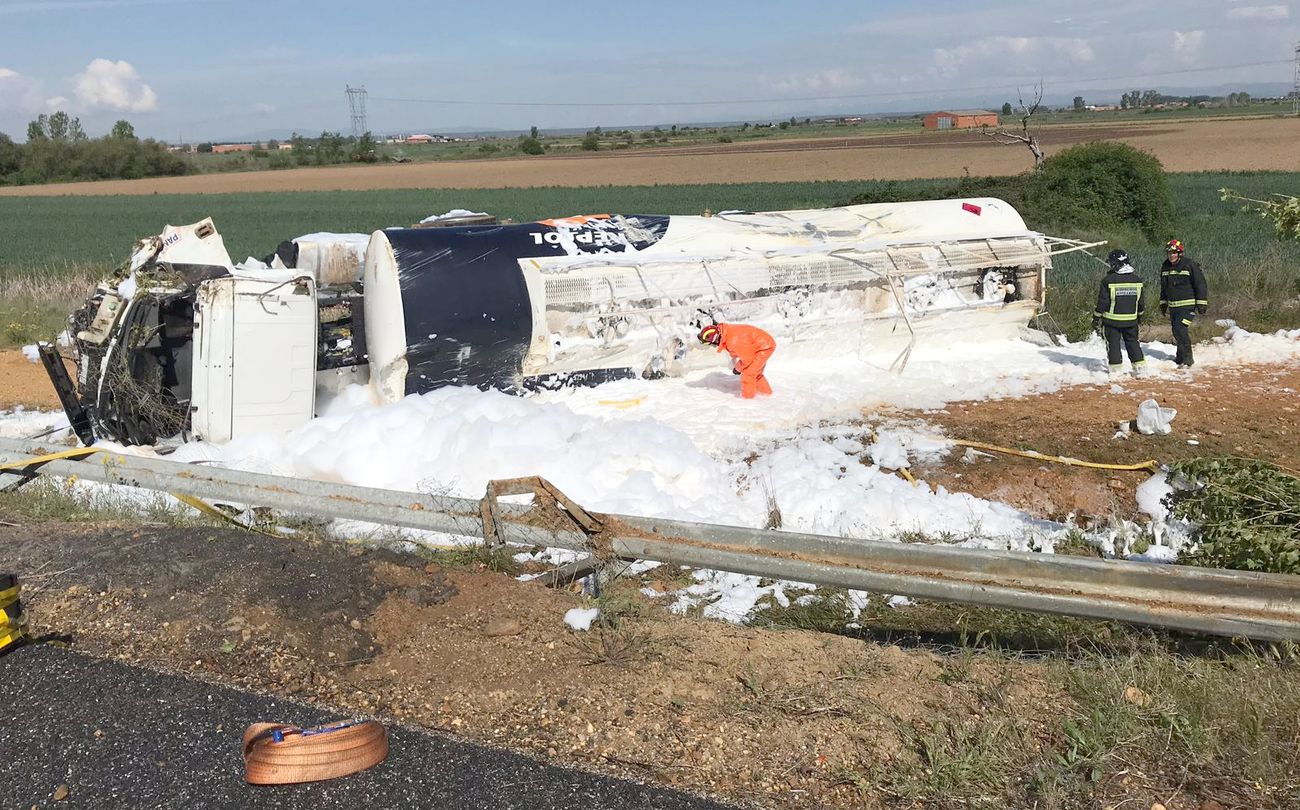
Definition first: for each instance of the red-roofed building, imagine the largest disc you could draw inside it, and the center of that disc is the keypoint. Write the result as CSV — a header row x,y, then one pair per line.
x,y
961,119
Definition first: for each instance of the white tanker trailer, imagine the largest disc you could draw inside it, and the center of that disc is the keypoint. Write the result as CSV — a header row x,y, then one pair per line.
x,y
182,342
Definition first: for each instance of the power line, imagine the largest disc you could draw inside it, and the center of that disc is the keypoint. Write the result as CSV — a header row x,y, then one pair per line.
x,y
852,96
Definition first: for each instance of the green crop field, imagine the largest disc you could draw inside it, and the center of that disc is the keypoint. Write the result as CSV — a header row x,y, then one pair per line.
x,y
52,248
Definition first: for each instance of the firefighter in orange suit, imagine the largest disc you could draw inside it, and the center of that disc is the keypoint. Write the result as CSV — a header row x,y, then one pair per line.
x,y
749,347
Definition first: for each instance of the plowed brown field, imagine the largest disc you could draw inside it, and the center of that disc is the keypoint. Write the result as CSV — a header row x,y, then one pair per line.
x,y
1235,145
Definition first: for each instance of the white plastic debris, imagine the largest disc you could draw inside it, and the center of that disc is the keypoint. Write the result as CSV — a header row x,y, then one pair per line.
x,y
30,352
455,213
581,618
1153,419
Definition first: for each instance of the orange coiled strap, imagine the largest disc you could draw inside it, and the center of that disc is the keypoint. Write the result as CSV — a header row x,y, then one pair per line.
x,y
276,754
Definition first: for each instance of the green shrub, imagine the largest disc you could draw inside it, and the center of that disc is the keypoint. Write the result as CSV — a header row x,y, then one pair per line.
x,y
1246,514
1102,185
531,146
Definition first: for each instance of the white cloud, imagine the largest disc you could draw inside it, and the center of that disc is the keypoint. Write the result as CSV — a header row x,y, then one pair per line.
x,y
822,81
18,93
56,103
1020,52
114,86
1259,13
262,107
1188,45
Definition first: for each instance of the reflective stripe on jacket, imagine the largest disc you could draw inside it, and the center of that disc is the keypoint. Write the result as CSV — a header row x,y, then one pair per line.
x,y
1120,299
1182,284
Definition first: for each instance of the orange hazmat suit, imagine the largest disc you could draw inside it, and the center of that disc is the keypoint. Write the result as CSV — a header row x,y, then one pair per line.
x,y
750,348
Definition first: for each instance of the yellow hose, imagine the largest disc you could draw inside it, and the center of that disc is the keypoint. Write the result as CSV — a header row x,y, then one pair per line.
x,y
1149,466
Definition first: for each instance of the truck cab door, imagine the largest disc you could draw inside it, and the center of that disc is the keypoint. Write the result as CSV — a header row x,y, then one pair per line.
x,y
254,357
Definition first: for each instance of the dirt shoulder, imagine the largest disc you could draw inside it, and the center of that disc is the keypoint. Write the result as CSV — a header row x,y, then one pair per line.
x,y
24,383
792,719
1249,411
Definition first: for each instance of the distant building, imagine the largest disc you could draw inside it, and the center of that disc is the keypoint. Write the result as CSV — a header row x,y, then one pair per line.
x,y
223,148
960,119
419,139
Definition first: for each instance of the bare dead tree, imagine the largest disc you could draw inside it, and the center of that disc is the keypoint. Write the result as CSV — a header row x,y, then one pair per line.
x,y
1024,136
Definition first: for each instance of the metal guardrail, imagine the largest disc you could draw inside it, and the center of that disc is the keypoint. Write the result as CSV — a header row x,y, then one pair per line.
x,y
1218,602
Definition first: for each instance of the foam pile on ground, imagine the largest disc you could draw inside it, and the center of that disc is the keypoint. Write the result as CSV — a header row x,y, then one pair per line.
x,y
580,619
1251,347
454,440
811,386
21,423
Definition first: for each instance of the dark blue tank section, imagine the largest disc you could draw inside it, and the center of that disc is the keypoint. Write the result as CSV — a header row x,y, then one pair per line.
x,y
465,302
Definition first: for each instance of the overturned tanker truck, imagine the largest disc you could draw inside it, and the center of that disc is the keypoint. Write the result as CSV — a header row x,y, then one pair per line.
x,y
183,343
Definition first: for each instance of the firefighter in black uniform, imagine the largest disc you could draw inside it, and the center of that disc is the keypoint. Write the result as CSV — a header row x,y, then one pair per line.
x,y
1120,304
1182,297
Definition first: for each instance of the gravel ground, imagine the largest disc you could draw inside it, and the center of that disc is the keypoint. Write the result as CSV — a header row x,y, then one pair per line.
x,y
102,734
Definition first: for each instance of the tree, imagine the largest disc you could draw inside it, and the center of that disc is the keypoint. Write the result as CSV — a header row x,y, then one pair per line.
x,y
1029,139
11,157
591,143
365,149
38,130
532,132
598,131
1078,104
531,146
65,128
330,148
1006,108
204,148
301,149
123,131
272,145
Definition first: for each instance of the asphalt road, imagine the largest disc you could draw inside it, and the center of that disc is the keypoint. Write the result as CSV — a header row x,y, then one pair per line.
x,y
168,741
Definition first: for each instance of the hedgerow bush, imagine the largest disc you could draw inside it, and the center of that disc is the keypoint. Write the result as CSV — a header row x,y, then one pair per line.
x,y
1102,185
1245,513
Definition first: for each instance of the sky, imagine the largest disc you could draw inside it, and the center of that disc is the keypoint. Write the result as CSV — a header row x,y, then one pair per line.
x,y
228,69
